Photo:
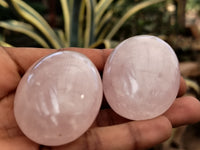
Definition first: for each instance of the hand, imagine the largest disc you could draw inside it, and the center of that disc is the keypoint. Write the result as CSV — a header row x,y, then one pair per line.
x,y
109,131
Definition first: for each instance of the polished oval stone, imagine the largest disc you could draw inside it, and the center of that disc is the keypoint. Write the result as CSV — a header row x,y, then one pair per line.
x,y
58,98
141,77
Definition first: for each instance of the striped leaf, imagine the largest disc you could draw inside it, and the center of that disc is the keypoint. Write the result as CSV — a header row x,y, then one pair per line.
x,y
33,17
66,15
102,43
89,31
24,28
106,29
106,18
62,37
100,9
105,44
193,85
81,27
3,4
4,44
75,22
129,13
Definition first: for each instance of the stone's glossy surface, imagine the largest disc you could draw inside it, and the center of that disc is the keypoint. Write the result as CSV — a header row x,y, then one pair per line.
x,y
58,98
141,77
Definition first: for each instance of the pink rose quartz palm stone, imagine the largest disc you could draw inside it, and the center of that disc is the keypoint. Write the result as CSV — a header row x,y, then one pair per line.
x,y
141,78
58,98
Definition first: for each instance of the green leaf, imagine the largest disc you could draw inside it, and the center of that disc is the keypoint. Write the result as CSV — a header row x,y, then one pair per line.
x,y
100,9
71,11
89,31
3,4
105,44
75,23
70,3
23,28
4,44
106,18
102,43
66,15
94,2
192,84
104,32
30,15
81,27
129,13
61,36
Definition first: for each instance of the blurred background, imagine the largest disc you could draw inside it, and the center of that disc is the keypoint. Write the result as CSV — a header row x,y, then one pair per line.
x,y
103,24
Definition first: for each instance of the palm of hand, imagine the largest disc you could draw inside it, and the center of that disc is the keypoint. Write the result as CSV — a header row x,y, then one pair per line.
x,y
108,125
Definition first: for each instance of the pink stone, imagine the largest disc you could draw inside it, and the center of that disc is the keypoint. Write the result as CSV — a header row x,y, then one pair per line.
x,y
141,78
58,98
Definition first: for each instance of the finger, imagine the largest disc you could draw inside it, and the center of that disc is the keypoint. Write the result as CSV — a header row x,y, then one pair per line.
x,y
9,76
185,110
129,136
108,117
10,135
25,57
15,61
18,143
7,119
182,88
97,56
8,124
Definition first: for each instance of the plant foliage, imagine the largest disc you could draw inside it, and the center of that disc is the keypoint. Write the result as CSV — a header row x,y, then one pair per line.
x,y
87,23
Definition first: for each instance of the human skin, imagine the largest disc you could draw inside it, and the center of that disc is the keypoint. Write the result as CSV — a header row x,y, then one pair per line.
x,y
109,131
